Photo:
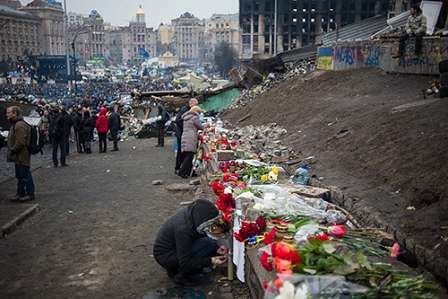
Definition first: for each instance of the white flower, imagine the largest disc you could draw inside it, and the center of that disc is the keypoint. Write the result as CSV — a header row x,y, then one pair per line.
x,y
272,176
228,190
287,291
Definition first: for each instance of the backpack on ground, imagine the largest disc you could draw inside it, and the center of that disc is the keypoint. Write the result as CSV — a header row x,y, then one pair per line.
x,y
55,129
36,140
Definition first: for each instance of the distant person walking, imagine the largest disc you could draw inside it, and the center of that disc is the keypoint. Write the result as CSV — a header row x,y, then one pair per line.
x,y
162,118
58,137
88,125
77,128
179,130
114,125
102,128
18,138
415,27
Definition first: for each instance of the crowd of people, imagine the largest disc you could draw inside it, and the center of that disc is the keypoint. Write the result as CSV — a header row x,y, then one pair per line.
x,y
182,246
87,94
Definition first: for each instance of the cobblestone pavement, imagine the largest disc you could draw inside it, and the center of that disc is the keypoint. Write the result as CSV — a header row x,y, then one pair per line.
x,y
7,169
93,233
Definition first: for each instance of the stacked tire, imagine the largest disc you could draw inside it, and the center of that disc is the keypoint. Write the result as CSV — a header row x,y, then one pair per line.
x,y
443,70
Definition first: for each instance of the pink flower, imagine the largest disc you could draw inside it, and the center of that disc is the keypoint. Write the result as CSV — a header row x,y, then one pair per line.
x,y
395,250
337,231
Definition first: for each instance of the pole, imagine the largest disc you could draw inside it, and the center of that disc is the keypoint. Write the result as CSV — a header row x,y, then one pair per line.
x,y
275,28
66,46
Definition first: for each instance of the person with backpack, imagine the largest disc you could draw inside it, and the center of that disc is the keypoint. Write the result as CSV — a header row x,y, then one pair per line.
x,y
102,128
162,118
18,139
58,138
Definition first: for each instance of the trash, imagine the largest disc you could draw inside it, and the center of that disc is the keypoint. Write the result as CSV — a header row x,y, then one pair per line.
x,y
157,182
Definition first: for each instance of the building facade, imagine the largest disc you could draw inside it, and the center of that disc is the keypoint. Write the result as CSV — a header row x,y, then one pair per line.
x,y
19,34
221,28
188,37
272,26
51,32
75,19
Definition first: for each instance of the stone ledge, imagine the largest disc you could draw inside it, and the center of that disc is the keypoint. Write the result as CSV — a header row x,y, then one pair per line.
x,y
16,221
437,267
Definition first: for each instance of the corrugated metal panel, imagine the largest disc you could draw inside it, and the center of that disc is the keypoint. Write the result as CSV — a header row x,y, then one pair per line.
x,y
399,20
299,54
358,31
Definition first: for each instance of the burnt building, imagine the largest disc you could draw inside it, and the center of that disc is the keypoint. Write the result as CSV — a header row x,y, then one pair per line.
x,y
272,26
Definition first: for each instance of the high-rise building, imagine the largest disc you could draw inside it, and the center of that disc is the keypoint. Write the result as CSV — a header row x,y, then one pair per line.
x,y
273,26
138,39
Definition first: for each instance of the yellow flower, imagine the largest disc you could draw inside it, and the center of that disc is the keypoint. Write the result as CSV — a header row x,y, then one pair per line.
x,y
264,177
274,169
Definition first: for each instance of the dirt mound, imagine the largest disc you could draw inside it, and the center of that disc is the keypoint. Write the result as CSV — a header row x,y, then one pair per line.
x,y
375,137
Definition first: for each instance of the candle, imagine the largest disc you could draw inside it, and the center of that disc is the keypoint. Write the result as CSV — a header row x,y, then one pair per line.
x,y
230,272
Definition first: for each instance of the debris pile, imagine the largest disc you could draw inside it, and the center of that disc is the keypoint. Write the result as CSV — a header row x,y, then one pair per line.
x,y
265,141
292,69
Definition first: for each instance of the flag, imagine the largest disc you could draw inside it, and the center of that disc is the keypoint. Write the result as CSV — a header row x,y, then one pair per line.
x,y
143,53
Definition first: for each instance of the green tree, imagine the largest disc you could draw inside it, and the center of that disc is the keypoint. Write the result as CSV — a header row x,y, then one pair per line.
x,y
225,58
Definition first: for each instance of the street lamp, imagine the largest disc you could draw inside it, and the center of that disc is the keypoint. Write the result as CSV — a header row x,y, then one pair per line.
x,y
78,32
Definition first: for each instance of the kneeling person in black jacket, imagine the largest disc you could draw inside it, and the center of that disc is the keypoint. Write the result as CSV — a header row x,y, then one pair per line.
x,y
183,248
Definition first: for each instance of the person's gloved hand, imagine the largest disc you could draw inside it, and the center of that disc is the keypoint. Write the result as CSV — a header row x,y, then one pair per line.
x,y
219,260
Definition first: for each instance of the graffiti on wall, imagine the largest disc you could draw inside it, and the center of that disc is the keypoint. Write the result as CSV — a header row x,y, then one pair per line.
x,y
358,56
428,60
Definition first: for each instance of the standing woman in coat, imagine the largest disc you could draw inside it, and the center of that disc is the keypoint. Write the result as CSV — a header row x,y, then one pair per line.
x,y
102,127
88,125
189,142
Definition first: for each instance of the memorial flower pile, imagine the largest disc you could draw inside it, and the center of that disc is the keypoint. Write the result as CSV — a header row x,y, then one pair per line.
x,y
250,230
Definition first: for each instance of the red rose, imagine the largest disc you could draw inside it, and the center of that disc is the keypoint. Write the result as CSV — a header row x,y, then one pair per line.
x,y
264,259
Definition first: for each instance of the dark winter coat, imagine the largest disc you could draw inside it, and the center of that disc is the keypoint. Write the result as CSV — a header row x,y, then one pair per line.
x,y
179,121
68,123
101,122
77,122
114,121
192,124
19,136
179,232
87,128
160,123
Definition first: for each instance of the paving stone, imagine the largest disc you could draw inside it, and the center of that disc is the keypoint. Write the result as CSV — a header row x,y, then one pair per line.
x,y
420,254
225,155
439,269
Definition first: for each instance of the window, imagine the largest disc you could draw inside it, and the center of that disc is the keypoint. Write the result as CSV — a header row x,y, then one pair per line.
x,y
246,39
266,38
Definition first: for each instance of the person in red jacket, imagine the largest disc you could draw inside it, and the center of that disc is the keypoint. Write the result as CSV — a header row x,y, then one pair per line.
x,y
101,127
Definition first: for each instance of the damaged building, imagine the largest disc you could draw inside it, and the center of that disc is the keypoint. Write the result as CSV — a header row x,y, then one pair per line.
x,y
302,23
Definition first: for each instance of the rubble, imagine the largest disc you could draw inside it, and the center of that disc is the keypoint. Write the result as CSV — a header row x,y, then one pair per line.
x,y
292,69
265,141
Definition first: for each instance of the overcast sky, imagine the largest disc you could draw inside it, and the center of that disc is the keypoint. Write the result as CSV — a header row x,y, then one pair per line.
x,y
120,12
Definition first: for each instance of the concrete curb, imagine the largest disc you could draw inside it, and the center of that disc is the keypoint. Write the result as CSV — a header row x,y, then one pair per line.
x,y
427,259
11,225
